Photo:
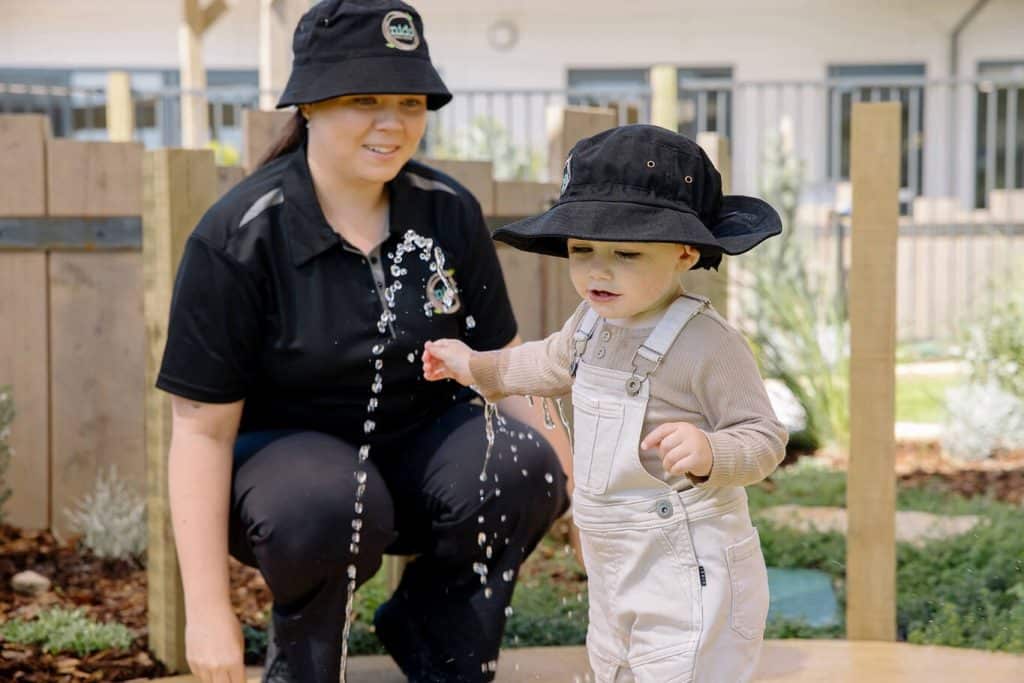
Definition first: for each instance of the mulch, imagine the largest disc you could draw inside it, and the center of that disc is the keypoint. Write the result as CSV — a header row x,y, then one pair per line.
x,y
107,591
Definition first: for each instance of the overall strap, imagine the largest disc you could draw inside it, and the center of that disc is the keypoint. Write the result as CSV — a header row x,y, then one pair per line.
x,y
650,354
585,330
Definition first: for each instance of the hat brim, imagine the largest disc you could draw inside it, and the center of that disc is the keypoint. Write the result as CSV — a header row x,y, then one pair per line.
x,y
743,223
391,75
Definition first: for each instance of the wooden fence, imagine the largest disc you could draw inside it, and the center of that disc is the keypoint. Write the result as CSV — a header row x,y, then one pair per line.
x,y
74,340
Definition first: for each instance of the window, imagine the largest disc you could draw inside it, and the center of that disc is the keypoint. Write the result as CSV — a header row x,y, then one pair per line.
x,y
626,91
999,141
75,101
848,84
705,101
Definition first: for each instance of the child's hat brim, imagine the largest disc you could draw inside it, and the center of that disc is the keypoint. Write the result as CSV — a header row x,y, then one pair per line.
x,y
741,224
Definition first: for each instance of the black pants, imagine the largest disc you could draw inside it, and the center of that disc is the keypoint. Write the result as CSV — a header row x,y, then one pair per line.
x,y
292,512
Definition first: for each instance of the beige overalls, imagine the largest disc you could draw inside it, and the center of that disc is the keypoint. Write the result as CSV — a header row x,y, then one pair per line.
x,y
677,582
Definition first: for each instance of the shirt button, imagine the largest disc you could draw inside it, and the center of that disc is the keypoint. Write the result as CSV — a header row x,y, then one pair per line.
x,y
380,283
374,260
606,335
600,352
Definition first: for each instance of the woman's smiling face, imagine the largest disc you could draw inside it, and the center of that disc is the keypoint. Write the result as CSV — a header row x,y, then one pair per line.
x,y
371,136
628,279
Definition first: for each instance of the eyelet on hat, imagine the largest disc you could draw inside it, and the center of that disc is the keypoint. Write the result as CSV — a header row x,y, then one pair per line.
x,y
688,180
650,164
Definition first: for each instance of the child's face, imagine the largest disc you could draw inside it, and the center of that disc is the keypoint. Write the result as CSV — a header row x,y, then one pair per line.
x,y
628,279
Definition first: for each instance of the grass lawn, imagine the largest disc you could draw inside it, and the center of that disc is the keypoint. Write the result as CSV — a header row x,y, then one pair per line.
x,y
920,398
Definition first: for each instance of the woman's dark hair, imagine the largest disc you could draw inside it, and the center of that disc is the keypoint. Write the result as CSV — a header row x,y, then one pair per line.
x,y
292,137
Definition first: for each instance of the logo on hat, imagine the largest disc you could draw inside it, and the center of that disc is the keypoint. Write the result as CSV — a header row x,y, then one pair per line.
x,y
400,31
566,174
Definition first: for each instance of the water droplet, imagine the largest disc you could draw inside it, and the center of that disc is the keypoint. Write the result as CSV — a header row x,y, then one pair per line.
x,y
525,473
378,349
480,568
481,538
361,477
549,478
411,357
488,592
369,426
508,613
497,492
379,364
480,519
489,552
504,517
508,574
358,507
470,322
515,448
357,524
364,453
351,571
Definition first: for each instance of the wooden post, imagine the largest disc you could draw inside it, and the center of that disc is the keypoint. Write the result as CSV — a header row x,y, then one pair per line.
x,y
871,478
714,284
179,185
120,108
260,130
278,19
196,20
665,97
568,125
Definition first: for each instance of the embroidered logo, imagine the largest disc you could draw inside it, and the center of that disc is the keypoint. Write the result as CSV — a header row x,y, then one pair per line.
x,y
566,174
400,31
442,293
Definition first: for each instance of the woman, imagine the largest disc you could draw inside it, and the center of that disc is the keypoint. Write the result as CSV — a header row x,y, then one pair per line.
x,y
305,440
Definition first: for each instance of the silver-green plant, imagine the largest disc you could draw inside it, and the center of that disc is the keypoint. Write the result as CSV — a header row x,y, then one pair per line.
x,y
799,332
6,419
62,630
111,519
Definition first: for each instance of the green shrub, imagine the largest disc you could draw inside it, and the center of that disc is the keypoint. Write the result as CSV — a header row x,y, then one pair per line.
x,y
62,630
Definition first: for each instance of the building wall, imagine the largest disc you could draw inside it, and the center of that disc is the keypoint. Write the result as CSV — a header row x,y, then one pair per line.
x,y
758,39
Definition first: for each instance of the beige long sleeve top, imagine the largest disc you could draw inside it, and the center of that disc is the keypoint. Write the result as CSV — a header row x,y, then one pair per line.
x,y
708,378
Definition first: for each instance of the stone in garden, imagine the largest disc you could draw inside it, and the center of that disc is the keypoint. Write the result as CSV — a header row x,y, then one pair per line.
x,y
915,528
30,583
803,595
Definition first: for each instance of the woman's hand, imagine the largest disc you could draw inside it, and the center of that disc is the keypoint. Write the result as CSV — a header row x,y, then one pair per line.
x,y
683,448
447,359
214,646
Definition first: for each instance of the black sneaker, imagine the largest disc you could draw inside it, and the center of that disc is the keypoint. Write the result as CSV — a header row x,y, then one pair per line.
x,y
275,666
405,643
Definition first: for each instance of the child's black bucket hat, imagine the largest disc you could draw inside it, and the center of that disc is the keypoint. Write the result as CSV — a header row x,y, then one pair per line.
x,y
642,183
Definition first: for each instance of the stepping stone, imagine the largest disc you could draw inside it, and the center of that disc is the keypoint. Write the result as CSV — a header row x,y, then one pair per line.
x,y
802,595
915,528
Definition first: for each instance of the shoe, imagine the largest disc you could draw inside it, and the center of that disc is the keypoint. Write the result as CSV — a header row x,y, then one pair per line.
x,y
405,643
275,666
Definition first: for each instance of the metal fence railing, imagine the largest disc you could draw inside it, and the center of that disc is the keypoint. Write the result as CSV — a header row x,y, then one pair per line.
x,y
962,157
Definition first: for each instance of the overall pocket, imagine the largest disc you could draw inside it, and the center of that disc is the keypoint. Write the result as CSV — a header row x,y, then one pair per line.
x,y
597,426
748,578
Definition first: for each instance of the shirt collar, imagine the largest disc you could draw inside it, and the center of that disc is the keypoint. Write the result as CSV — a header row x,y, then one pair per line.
x,y
309,233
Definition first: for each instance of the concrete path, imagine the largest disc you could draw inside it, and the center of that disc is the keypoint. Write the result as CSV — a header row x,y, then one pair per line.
x,y
783,661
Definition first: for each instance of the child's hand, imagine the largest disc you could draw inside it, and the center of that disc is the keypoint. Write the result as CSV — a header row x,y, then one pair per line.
x,y
447,359
683,448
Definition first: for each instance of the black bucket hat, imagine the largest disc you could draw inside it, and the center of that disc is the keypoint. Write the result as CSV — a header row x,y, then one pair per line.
x,y
642,183
354,47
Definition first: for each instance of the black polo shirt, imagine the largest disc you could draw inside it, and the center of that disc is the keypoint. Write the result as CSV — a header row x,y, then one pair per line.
x,y
270,305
